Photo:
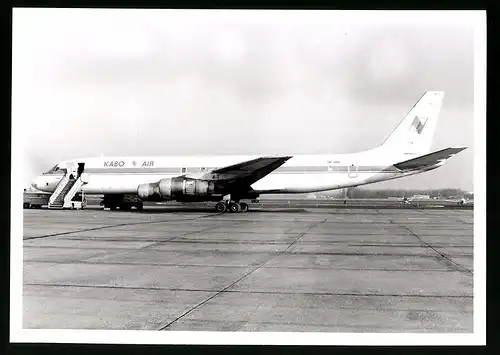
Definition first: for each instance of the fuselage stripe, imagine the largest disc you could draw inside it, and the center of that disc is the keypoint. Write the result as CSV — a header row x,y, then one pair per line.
x,y
281,170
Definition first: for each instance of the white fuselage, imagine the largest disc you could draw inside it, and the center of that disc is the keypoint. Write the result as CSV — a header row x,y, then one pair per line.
x,y
300,174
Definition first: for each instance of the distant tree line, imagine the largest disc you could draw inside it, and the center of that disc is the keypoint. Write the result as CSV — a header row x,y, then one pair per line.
x,y
360,192
357,192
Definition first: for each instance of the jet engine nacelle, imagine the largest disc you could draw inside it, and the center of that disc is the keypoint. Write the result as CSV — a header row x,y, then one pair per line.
x,y
178,188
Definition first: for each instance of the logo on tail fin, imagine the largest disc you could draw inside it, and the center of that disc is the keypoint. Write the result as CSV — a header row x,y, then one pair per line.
x,y
419,124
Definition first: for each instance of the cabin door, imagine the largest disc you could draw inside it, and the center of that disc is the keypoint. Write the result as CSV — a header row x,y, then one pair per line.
x,y
352,170
81,167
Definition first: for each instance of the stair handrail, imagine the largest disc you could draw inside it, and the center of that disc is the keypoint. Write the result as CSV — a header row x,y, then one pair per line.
x,y
62,183
72,192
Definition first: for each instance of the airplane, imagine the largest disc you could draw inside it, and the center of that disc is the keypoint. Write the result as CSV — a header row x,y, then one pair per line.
x,y
227,180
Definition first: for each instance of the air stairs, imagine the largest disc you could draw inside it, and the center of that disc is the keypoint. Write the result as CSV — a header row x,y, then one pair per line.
x,y
67,188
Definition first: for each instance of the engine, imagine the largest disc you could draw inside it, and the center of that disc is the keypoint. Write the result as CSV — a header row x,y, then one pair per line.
x,y
178,188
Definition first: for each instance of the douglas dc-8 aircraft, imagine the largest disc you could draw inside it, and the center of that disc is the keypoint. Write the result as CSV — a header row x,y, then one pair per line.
x,y
229,179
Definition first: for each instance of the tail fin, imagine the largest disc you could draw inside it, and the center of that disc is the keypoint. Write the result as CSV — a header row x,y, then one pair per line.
x,y
413,135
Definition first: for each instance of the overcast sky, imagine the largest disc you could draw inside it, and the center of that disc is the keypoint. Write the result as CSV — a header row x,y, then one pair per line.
x,y
159,82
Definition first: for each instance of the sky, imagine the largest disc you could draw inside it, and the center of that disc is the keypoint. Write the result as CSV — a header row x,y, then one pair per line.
x,y
87,82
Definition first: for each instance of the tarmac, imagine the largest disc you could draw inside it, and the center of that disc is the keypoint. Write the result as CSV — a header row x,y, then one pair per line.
x,y
173,268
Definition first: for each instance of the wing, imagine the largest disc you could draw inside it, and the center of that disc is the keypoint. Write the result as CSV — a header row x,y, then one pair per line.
x,y
250,171
429,160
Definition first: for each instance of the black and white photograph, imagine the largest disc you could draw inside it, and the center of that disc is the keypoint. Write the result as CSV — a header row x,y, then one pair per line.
x,y
248,177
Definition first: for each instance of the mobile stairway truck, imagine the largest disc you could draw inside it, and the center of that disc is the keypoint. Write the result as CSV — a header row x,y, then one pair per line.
x,y
41,199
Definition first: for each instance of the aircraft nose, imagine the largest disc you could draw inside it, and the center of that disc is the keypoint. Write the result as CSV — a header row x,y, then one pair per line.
x,y
35,183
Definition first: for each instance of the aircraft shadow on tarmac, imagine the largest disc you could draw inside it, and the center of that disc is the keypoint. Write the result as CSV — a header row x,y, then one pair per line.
x,y
281,209
205,210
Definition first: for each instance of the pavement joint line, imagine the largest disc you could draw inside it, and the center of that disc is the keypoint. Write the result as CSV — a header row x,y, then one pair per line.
x,y
299,237
129,251
259,242
87,259
155,244
254,252
117,225
339,327
457,266
251,292
366,254
92,262
239,279
180,236
206,300
425,213
423,310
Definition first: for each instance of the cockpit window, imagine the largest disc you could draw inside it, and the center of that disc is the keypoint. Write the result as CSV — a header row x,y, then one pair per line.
x,y
51,170
54,170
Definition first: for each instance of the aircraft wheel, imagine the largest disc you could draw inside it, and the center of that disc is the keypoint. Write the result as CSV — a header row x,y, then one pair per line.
x,y
244,207
221,207
234,207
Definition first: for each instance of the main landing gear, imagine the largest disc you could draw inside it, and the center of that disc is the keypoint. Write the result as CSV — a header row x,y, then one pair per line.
x,y
231,206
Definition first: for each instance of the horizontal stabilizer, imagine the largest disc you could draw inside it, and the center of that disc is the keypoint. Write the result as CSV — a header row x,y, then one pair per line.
x,y
430,159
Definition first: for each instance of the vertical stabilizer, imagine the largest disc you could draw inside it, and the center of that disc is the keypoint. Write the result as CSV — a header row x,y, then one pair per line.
x,y
413,135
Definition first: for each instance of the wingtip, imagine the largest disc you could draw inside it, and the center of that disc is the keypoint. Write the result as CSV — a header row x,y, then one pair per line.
x,y
456,149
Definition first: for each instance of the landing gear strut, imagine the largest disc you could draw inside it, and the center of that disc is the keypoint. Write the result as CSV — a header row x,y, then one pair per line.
x,y
231,206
